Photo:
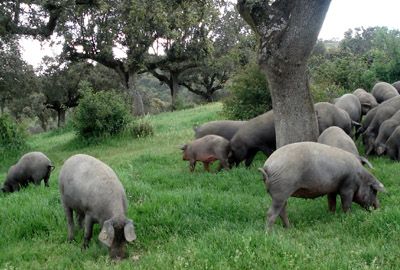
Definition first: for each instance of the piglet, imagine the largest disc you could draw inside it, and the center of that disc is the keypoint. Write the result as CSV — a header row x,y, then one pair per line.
x,y
207,149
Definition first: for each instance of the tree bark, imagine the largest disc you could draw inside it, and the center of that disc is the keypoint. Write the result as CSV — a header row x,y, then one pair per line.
x,y
174,89
60,117
134,93
287,31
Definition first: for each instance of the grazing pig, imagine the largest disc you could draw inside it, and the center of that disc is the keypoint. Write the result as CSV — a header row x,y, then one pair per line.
x,y
384,111
91,189
385,131
392,146
329,115
397,86
309,170
207,149
336,137
368,101
32,167
383,91
367,121
223,128
258,134
351,104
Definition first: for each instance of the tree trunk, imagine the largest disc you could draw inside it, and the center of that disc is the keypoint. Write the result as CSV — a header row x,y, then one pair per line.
x,y
287,31
134,93
60,117
174,88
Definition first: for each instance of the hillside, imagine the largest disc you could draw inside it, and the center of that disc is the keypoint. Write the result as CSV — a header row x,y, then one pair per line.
x,y
194,220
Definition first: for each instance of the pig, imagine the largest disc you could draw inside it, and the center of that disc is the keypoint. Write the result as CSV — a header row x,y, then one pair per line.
x,y
384,111
397,86
207,149
383,91
329,115
91,189
309,170
258,134
351,104
392,146
367,121
368,101
385,130
223,128
336,137
32,167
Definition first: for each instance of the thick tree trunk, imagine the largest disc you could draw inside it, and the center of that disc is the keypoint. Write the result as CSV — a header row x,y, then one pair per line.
x,y
136,97
60,117
287,30
174,89
293,106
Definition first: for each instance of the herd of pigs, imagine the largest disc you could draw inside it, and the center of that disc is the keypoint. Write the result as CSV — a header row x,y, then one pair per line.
x,y
332,166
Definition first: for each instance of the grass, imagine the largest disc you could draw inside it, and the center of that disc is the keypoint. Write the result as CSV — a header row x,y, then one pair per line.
x,y
193,220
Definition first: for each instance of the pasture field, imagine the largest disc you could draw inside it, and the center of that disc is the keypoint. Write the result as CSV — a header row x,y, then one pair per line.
x,y
193,220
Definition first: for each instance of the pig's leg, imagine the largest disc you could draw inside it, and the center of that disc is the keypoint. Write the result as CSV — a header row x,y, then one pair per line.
x,y
88,231
250,156
284,216
70,222
273,212
206,166
332,202
192,164
79,220
346,198
46,178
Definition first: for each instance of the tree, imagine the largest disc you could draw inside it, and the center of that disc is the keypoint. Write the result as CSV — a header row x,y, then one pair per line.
x,y
60,85
233,47
287,31
36,18
187,46
17,79
131,25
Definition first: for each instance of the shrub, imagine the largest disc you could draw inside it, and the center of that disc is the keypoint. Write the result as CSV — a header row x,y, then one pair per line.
x,y
12,135
250,94
100,114
140,127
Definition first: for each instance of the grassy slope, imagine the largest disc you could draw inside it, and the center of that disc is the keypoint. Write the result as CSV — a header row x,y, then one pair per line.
x,y
194,220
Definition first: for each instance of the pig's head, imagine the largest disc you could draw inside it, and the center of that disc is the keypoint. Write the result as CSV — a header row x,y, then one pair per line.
x,y
183,148
366,195
380,148
115,233
237,153
369,141
6,188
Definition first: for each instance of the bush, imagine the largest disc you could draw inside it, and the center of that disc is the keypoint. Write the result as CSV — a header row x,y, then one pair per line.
x,y
250,94
140,127
100,115
12,136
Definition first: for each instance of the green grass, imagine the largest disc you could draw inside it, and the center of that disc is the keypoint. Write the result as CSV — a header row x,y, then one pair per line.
x,y
193,220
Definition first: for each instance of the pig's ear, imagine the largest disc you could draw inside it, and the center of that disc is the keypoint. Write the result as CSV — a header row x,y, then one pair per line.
x,y
378,186
107,233
182,147
129,231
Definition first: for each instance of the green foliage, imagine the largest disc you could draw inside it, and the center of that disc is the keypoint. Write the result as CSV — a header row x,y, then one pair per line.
x,y
12,135
100,114
140,127
250,94
362,58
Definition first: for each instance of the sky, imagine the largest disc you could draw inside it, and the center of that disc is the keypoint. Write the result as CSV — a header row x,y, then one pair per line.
x,y
342,15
